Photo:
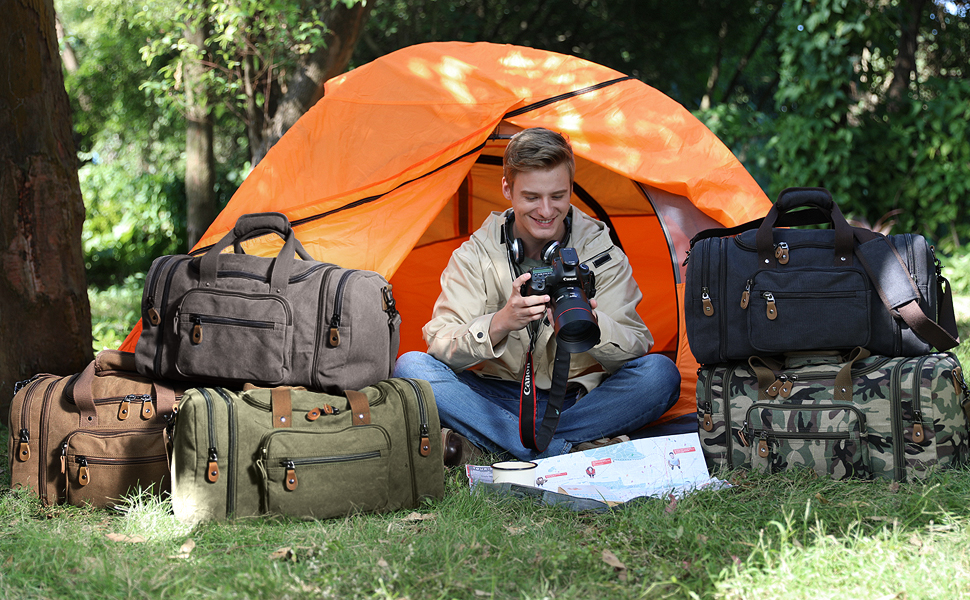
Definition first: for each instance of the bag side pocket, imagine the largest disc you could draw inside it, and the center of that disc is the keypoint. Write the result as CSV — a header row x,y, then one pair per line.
x,y
808,309
252,330
325,474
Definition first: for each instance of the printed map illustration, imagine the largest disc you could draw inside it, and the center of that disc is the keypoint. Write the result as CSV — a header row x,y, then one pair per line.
x,y
618,473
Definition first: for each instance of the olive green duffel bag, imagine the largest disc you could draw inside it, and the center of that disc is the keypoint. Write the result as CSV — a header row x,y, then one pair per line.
x,y
293,452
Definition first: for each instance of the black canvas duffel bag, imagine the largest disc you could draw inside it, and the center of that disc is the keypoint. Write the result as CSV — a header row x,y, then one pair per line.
x,y
232,318
292,452
758,289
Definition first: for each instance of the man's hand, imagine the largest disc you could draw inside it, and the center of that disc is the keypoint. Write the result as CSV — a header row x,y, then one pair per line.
x,y
518,312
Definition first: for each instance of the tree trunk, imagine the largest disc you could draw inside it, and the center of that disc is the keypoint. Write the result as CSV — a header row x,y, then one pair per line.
x,y
305,87
910,13
202,207
45,317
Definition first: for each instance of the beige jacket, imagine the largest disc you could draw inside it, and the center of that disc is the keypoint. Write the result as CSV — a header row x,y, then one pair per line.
x,y
478,281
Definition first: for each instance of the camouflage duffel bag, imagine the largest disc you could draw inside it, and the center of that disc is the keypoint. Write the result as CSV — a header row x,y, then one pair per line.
x,y
851,415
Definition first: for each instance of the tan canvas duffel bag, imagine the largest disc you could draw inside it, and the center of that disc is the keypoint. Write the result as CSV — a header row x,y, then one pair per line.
x,y
93,437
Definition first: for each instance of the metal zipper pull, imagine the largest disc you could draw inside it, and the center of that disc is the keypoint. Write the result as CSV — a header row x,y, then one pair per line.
x,y
763,450
787,385
706,302
746,295
124,407
741,437
918,432
83,477
212,470
771,311
291,482
197,331
781,253
23,453
147,408
425,447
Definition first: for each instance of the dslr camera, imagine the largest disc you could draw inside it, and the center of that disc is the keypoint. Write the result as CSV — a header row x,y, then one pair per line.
x,y
570,284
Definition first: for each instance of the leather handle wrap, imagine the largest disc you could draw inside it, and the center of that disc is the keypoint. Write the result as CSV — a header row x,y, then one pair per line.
x,y
359,406
282,407
793,198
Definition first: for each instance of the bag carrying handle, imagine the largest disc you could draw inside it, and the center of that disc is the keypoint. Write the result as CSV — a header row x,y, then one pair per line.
x,y
83,393
252,225
794,198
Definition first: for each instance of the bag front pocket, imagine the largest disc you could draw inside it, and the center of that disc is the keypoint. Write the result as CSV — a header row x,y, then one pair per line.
x,y
808,310
101,467
228,336
325,474
831,439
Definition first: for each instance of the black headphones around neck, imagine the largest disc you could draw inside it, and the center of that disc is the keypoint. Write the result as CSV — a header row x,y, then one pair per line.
x,y
516,248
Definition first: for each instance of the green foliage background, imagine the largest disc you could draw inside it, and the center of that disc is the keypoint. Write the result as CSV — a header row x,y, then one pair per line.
x,y
796,88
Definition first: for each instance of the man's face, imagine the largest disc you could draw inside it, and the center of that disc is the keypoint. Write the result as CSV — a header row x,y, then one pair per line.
x,y
540,200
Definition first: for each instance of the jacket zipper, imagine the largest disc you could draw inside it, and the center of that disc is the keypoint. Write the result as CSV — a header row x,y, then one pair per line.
x,y
230,466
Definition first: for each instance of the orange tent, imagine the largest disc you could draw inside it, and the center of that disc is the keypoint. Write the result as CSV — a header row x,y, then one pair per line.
x,y
401,160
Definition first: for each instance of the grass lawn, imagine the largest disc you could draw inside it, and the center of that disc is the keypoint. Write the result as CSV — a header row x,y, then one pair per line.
x,y
790,535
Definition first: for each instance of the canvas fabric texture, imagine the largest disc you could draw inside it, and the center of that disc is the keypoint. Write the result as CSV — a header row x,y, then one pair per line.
x,y
299,453
93,437
851,415
770,290
233,318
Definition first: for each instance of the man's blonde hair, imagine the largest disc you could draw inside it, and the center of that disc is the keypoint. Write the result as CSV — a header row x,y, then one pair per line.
x,y
537,149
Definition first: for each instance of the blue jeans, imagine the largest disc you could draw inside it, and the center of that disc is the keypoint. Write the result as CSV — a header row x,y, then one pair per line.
x,y
486,411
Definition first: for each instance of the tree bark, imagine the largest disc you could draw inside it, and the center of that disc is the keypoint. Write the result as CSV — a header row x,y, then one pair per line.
x,y
905,64
45,317
202,206
305,87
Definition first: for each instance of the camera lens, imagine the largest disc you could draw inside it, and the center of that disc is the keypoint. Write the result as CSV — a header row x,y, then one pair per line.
x,y
576,329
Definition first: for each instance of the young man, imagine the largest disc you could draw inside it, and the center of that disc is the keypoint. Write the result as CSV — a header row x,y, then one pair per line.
x,y
479,333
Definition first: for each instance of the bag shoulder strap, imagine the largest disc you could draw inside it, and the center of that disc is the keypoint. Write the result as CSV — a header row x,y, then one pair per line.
x,y
899,293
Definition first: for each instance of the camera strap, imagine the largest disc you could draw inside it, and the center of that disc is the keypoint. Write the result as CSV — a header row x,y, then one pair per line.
x,y
539,440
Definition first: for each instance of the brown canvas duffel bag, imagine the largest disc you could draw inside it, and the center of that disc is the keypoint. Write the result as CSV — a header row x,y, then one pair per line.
x,y
231,319
92,437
